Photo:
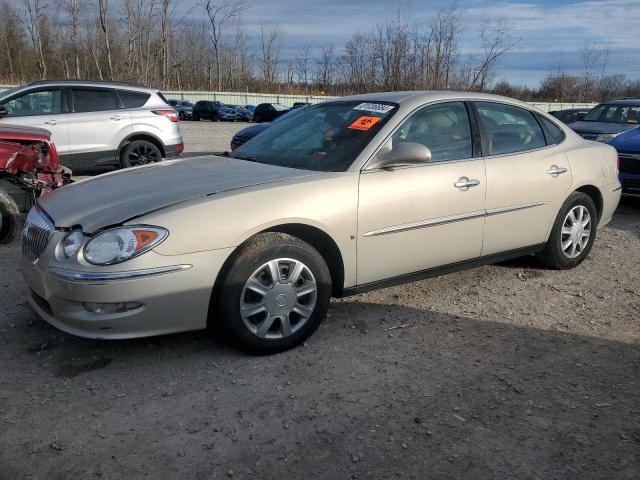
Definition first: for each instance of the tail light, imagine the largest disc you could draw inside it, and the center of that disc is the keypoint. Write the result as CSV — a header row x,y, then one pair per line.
x,y
170,114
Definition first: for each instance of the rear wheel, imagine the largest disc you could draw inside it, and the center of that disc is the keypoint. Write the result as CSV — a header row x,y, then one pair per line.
x,y
195,118
139,152
9,213
257,119
274,295
573,233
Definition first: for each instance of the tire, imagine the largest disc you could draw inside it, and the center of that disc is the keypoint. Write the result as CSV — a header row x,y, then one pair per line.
x,y
251,332
214,117
9,213
257,119
574,252
195,118
139,152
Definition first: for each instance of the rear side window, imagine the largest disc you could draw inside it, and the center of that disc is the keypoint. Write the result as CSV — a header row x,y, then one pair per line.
x,y
86,100
133,99
552,131
509,129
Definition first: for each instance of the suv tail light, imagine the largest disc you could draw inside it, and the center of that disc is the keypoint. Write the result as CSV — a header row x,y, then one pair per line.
x,y
170,114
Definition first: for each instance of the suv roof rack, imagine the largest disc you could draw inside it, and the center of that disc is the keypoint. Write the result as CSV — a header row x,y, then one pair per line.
x,y
107,82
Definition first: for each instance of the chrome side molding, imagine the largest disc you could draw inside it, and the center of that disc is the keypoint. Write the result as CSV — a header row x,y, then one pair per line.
x,y
451,219
75,276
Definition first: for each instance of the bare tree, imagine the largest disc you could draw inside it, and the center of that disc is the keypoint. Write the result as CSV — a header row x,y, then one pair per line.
x,y
270,43
34,23
496,39
303,58
104,26
219,14
594,61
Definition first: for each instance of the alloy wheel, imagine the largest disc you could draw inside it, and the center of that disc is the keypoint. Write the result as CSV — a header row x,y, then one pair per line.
x,y
143,154
576,231
278,299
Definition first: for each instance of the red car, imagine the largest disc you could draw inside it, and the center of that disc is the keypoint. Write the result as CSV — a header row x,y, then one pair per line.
x,y
29,160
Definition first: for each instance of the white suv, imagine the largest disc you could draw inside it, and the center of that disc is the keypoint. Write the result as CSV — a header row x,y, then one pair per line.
x,y
97,123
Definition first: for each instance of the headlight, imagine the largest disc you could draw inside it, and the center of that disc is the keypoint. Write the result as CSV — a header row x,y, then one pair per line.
x,y
123,243
606,137
72,243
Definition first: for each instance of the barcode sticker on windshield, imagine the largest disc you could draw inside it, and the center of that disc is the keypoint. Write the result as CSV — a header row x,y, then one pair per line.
x,y
374,107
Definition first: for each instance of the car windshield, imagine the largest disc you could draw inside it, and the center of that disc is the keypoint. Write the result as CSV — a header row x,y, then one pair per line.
x,y
614,113
279,107
326,137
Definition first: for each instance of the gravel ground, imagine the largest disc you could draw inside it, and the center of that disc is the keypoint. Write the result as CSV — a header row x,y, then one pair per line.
x,y
206,136
505,371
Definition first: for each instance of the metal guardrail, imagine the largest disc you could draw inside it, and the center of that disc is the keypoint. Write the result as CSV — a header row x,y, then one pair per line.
x,y
242,98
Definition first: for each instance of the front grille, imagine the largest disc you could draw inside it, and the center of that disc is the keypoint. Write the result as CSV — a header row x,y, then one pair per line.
x,y
630,163
36,234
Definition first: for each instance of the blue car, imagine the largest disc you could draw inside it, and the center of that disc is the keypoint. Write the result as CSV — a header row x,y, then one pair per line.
x,y
248,133
628,146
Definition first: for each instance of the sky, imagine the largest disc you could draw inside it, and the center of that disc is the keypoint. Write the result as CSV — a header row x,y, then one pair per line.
x,y
550,33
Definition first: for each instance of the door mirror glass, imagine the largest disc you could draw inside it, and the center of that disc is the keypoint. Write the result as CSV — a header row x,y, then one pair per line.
x,y
403,154
3,111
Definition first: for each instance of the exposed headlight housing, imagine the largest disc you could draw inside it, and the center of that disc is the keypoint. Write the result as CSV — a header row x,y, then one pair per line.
x,y
605,137
123,243
72,243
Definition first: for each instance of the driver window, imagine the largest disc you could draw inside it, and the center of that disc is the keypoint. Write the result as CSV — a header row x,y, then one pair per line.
x,y
443,128
44,102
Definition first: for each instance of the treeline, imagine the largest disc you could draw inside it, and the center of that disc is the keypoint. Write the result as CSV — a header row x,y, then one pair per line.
x,y
211,48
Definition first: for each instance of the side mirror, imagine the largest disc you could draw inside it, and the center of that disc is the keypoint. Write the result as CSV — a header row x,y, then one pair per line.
x,y
3,111
403,154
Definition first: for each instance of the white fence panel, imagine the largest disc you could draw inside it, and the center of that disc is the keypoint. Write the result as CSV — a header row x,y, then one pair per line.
x,y
241,98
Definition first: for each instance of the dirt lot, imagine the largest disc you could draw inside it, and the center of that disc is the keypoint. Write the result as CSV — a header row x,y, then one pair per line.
x,y
501,372
206,136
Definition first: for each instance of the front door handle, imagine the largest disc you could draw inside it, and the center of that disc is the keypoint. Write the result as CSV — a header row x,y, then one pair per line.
x,y
117,117
51,122
556,170
465,182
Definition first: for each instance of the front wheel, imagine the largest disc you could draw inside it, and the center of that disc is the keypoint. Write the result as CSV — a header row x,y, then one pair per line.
x,y
573,233
139,152
9,213
274,295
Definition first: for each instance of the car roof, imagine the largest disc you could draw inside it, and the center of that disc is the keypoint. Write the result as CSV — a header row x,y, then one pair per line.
x,y
417,98
624,101
138,87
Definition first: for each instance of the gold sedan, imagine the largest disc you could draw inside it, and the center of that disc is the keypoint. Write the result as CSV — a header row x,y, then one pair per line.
x,y
337,198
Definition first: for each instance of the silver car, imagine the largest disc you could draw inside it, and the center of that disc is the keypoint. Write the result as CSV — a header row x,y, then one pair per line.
x,y
345,196
97,123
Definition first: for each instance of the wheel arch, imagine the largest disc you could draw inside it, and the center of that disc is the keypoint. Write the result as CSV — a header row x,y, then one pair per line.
x,y
595,194
149,137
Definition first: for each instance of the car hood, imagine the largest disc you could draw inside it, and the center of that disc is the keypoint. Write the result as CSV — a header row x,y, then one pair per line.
x,y
628,142
20,132
600,127
252,131
117,197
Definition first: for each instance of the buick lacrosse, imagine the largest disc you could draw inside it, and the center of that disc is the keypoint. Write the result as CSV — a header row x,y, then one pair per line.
x,y
341,197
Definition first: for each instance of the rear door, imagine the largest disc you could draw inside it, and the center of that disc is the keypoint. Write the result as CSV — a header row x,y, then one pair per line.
x,y
528,176
44,108
97,126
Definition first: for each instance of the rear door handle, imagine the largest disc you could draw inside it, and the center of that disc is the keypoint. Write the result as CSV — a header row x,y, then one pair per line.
x,y
556,170
117,117
51,122
465,182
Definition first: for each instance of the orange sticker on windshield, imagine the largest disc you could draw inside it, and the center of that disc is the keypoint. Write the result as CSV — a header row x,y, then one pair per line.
x,y
365,122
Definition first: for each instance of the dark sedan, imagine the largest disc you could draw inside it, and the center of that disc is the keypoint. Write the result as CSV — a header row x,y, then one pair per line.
x,y
242,114
266,112
184,108
628,146
604,122
570,115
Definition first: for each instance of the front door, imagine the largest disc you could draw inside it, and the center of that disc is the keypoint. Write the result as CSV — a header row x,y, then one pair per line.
x,y
43,108
415,218
528,178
